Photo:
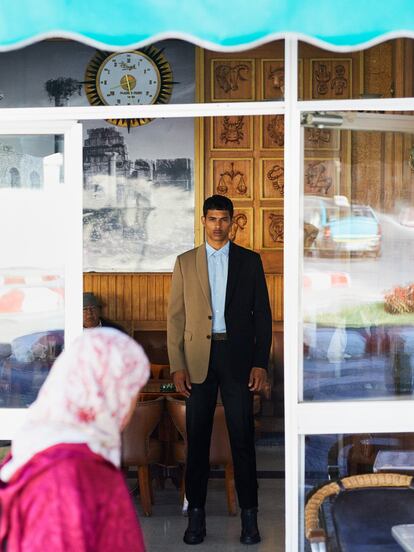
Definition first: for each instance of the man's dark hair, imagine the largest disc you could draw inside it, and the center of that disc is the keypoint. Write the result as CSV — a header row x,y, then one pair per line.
x,y
218,203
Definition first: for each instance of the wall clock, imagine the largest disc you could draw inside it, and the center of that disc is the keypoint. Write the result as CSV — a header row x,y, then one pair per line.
x,y
138,77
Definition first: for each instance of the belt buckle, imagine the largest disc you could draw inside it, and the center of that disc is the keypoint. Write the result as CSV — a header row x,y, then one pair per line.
x,y
219,336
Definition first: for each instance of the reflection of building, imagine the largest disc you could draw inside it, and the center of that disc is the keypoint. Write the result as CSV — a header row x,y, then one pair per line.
x,y
19,170
111,179
105,153
175,172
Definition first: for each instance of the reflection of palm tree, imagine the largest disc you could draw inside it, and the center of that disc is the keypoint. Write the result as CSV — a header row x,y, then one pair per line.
x,y
61,89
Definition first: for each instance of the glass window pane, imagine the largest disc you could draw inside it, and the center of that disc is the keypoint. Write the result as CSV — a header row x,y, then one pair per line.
x,y
382,71
333,458
31,264
358,296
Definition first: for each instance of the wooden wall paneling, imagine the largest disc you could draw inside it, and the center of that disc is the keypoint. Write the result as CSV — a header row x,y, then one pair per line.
x,y
408,173
143,297
398,168
125,300
366,169
151,299
167,288
378,70
136,298
408,60
388,171
112,297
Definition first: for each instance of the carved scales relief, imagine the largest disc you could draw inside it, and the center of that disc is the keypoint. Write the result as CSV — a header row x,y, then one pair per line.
x,y
233,178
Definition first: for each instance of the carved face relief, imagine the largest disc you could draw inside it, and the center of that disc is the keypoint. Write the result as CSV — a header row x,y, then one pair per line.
x,y
276,227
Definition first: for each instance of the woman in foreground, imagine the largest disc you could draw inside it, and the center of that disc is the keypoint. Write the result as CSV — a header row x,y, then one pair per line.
x,y
61,490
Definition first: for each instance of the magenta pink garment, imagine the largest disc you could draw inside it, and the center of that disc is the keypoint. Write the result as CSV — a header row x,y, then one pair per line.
x,y
68,499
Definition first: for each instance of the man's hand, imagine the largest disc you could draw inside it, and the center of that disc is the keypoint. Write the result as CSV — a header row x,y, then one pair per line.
x,y
182,382
258,379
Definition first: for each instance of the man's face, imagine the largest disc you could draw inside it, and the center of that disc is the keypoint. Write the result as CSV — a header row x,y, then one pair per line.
x,y
217,225
90,317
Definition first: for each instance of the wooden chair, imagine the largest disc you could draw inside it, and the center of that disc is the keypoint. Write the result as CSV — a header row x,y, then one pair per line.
x,y
160,371
364,508
140,449
220,451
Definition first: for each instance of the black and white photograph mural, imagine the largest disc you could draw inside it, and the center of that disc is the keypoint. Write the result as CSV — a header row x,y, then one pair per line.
x,y
131,182
132,176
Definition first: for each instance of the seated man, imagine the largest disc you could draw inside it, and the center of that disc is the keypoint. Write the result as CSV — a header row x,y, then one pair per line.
x,y
92,313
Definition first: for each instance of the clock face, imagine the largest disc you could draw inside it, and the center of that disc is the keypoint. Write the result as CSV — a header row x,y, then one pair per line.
x,y
139,77
128,78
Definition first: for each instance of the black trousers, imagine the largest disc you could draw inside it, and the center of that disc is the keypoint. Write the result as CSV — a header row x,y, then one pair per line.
x,y
238,407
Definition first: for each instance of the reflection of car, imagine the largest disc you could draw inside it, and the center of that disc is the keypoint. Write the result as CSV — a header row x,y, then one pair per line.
x,y
357,363
342,227
24,369
406,216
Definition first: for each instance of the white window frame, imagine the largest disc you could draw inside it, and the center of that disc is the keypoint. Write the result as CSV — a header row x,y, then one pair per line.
x,y
300,418
12,418
316,418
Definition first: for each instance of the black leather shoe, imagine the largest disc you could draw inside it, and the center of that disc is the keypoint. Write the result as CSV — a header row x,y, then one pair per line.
x,y
250,532
196,530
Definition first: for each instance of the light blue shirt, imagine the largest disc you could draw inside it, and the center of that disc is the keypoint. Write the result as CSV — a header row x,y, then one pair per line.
x,y
218,268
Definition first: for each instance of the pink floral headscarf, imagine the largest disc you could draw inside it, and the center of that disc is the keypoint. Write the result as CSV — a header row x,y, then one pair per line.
x,y
85,399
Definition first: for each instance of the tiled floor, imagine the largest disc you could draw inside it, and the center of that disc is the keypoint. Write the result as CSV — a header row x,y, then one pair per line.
x,y
164,530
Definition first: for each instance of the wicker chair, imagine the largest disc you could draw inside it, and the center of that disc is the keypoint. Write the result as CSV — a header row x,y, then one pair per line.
x,y
364,509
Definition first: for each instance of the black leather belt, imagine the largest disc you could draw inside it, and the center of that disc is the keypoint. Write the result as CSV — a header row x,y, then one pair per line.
x,y
219,336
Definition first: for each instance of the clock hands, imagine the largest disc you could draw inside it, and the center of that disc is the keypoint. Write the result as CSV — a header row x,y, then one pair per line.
x,y
127,81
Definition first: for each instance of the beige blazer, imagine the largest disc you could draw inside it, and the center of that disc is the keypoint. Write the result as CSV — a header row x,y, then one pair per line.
x,y
189,319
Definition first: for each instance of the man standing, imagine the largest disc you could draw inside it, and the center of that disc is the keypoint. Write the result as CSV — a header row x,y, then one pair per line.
x,y
219,335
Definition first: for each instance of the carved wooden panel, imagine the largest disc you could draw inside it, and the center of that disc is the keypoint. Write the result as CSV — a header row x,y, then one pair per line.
x,y
232,133
331,78
273,79
321,177
322,139
271,228
232,80
272,178
242,228
272,132
233,178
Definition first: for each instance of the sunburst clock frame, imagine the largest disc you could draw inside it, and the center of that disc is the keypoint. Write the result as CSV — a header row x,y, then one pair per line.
x,y
136,77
